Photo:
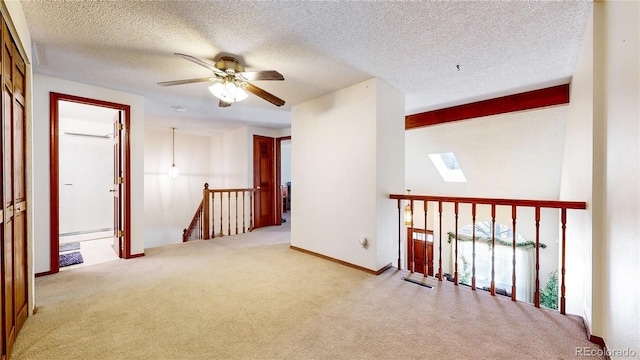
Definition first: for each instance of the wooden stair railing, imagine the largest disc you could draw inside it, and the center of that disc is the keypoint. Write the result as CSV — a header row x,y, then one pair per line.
x,y
224,210
194,231
537,205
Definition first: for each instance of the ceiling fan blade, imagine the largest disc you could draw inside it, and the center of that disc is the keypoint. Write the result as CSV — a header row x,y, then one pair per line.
x,y
224,104
262,75
202,63
265,95
181,82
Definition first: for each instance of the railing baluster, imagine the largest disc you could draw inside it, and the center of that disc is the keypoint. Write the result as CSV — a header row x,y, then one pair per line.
x,y
213,215
455,269
425,271
236,213
399,231
251,211
221,221
229,213
440,242
203,224
536,296
205,205
412,242
244,230
495,240
513,275
473,246
563,219
493,249
195,226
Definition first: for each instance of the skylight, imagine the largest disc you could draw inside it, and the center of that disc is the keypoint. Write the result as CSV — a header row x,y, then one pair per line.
x,y
448,167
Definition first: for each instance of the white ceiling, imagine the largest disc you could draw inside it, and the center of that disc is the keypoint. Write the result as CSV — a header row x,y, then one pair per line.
x,y
438,53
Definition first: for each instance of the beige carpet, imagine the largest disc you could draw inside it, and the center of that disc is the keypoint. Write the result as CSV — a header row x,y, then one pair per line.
x,y
252,297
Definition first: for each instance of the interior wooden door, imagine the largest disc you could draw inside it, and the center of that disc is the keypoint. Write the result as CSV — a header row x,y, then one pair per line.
x,y
264,180
13,197
118,178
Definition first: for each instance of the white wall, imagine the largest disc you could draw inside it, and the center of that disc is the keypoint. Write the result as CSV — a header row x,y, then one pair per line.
x,y
347,151
577,183
616,308
236,156
42,86
216,165
170,204
515,156
86,176
235,159
390,170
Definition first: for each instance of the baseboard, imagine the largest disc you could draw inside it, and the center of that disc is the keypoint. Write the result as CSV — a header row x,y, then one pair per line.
x,y
341,262
44,273
596,340
135,255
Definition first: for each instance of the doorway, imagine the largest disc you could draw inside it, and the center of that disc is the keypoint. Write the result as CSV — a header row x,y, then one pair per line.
x,y
89,181
283,177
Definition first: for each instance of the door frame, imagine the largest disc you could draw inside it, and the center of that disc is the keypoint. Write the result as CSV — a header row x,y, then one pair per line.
x,y
54,181
278,156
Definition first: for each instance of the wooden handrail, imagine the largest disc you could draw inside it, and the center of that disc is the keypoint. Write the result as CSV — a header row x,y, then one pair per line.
x,y
203,224
240,206
494,202
554,204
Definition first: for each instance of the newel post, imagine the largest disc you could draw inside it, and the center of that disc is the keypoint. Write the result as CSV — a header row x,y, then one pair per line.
x,y
205,216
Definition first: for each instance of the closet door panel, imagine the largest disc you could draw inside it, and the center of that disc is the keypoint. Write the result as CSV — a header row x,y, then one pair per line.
x,y
8,203
19,191
13,193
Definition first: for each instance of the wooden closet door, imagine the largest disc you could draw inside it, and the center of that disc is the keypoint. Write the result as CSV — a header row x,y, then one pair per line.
x,y
9,323
14,205
3,161
19,189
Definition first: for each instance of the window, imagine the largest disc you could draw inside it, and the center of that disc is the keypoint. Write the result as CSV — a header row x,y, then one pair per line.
x,y
525,263
448,167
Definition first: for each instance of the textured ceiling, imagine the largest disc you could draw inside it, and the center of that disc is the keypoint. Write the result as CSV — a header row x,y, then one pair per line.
x,y
438,53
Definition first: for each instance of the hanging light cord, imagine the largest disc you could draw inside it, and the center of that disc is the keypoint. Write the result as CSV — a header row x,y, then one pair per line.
x,y
173,147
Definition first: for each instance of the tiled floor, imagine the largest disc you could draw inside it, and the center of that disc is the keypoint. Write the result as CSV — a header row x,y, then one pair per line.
x,y
95,251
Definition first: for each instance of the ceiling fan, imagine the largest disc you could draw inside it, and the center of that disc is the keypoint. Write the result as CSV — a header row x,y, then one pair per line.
x,y
230,80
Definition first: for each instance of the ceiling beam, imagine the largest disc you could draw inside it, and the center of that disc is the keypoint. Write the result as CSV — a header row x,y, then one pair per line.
x,y
556,95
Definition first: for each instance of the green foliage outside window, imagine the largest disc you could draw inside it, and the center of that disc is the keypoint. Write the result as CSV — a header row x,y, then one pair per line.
x,y
549,295
466,272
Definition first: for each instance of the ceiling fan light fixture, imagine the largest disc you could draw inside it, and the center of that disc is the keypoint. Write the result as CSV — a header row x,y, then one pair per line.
x,y
228,91
231,82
